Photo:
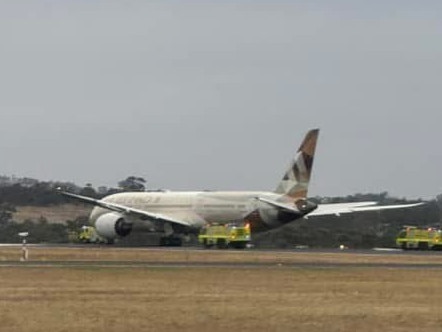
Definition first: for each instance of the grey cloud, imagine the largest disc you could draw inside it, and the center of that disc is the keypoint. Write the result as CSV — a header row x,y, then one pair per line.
x,y
218,95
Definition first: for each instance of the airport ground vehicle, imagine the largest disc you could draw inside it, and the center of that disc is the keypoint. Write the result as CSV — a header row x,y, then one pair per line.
x,y
88,234
412,237
225,236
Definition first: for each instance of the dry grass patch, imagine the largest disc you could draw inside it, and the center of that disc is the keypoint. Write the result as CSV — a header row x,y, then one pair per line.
x,y
53,214
217,299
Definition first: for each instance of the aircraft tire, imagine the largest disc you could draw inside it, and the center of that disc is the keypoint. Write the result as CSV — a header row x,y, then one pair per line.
x,y
221,244
422,246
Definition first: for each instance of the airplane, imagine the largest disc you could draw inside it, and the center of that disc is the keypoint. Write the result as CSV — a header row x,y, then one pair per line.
x,y
173,213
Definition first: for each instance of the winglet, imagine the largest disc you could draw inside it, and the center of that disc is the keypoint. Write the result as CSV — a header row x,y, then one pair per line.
x,y
296,180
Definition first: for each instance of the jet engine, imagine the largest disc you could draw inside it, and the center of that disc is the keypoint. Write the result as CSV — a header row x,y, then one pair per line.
x,y
112,225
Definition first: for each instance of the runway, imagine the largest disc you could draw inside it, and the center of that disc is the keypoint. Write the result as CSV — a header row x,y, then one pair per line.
x,y
181,265
83,256
374,251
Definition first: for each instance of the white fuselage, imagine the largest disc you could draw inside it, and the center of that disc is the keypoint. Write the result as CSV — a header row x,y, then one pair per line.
x,y
196,208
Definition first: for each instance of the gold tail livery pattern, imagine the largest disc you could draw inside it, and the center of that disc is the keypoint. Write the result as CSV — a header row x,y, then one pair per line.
x,y
296,180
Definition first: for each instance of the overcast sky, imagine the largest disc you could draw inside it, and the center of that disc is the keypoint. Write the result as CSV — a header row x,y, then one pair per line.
x,y
219,94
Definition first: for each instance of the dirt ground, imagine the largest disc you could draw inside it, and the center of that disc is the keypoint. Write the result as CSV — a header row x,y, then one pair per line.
x,y
267,298
53,214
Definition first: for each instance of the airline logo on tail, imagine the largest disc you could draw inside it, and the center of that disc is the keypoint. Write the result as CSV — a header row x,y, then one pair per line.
x,y
296,180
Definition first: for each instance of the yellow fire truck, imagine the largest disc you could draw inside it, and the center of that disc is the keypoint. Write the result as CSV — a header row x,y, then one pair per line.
x,y
412,237
88,234
225,236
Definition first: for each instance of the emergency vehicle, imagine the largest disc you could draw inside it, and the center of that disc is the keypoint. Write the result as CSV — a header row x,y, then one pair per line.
x,y
412,237
225,236
88,234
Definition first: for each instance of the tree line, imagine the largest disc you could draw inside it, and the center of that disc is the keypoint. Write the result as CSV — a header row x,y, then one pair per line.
x,y
45,193
361,230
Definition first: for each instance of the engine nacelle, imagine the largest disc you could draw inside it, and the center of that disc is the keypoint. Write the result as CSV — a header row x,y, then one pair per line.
x,y
112,225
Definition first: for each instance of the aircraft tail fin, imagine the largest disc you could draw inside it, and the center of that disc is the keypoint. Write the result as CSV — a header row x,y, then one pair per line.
x,y
296,180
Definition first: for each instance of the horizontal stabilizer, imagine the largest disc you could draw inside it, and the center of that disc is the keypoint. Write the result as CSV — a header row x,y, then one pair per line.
x,y
286,207
342,208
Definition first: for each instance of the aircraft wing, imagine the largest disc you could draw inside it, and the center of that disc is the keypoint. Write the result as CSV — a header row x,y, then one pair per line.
x,y
342,208
126,209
